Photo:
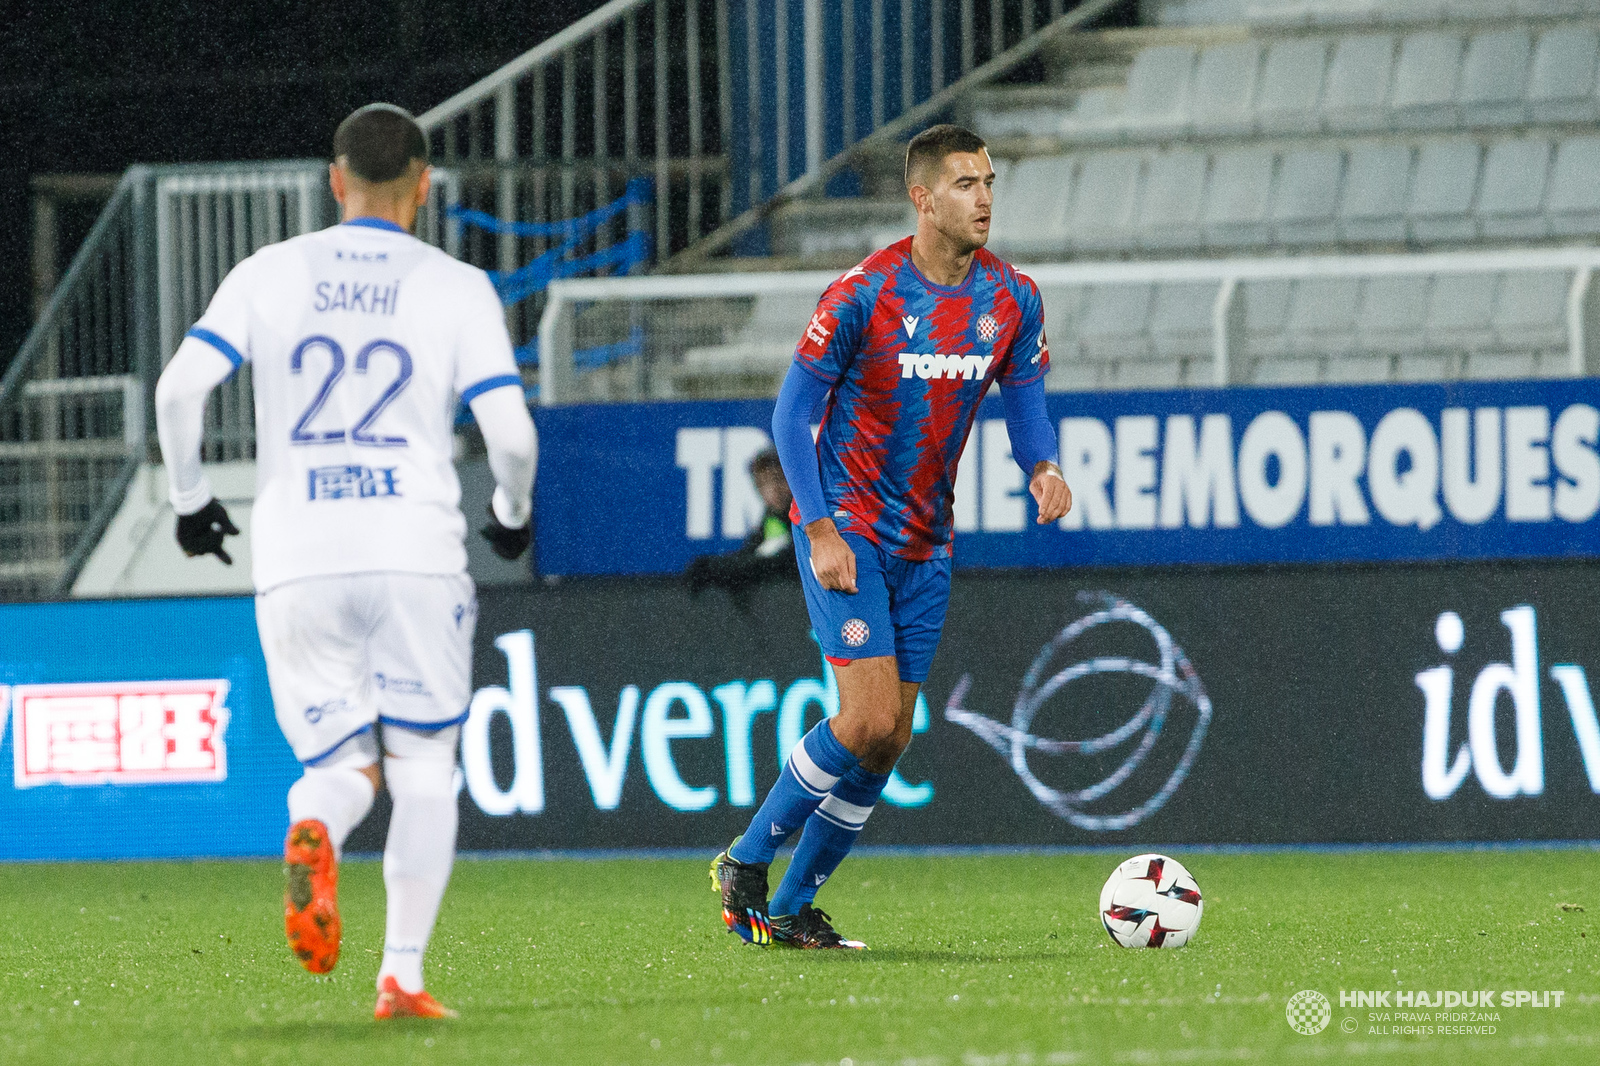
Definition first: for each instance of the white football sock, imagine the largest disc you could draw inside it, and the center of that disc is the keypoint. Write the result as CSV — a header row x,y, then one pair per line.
x,y
418,856
337,796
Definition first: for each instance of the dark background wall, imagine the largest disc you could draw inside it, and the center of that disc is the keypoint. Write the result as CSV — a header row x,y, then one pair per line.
x,y
98,86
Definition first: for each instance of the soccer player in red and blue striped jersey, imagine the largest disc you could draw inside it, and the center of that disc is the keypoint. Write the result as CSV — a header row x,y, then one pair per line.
x,y
893,365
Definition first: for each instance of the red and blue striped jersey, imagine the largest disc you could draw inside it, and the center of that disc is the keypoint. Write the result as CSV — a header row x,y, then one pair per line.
x,y
909,361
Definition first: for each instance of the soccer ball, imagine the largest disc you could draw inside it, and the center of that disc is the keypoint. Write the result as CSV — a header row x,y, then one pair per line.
x,y
1151,901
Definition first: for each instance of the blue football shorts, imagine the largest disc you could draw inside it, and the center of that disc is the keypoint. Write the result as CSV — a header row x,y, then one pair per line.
x,y
898,608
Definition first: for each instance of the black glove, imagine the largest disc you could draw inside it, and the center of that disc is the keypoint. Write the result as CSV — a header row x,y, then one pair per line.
x,y
506,543
201,533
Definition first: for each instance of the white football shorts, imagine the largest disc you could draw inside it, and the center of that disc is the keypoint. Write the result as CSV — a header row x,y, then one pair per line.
x,y
346,651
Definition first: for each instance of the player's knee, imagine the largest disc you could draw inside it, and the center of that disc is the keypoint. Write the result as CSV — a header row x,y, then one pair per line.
x,y
420,764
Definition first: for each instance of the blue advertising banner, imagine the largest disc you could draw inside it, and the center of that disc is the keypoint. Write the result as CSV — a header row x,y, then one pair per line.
x,y
138,729
1465,470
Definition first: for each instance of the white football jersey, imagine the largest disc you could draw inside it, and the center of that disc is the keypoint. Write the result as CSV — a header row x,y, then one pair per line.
x,y
361,338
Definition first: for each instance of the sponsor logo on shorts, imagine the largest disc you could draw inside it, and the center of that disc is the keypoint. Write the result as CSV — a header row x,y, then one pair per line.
x,y
854,633
134,732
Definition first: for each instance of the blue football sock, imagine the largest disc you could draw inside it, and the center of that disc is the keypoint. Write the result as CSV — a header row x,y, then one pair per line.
x,y
830,833
814,768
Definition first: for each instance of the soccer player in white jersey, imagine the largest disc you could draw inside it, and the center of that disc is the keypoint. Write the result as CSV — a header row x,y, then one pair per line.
x,y
361,339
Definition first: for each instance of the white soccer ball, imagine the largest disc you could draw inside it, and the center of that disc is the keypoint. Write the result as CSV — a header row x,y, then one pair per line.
x,y
1151,901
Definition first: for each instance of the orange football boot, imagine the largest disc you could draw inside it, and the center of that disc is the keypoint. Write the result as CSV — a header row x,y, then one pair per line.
x,y
395,1003
311,896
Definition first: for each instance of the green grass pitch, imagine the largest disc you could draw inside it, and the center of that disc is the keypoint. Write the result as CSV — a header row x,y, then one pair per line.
x,y
976,961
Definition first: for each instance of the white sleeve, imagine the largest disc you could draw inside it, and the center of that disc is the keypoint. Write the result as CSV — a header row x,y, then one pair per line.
x,y
484,359
513,445
180,418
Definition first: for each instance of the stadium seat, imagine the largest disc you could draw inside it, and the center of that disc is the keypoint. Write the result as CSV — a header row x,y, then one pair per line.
x,y
1493,77
1442,191
1484,366
1425,79
1286,372
1573,204
1322,315
1561,85
1180,323
1174,190
1102,214
1159,83
1149,374
1513,188
1307,194
1240,190
1031,206
1373,207
1530,310
1113,325
1359,368
1291,85
1393,313
1459,310
1358,82
1224,88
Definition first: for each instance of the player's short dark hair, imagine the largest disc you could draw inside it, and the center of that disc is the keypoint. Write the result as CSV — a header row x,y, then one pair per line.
x,y
928,149
379,141
766,462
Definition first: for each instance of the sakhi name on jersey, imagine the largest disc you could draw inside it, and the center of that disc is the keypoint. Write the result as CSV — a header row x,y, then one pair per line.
x,y
910,361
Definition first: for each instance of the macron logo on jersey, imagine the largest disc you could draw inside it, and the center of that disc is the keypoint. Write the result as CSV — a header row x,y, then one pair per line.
x,y
910,322
949,367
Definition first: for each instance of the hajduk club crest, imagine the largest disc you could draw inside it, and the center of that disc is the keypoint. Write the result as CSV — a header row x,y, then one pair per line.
x,y
987,327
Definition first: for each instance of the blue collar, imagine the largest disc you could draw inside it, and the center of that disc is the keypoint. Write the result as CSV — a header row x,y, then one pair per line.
x,y
374,223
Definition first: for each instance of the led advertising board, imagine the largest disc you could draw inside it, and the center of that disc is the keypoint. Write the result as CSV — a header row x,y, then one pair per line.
x,y
1128,707
1464,470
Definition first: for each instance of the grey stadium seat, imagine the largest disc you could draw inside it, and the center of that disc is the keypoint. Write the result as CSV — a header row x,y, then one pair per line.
x,y
1322,315
1460,309
1307,193
1513,188
1530,310
1373,206
1494,76
1394,310
1561,86
1174,189
1224,88
1031,206
1442,191
1102,214
1359,367
1114,323
1573,204
1159,88
1291,85
1266,310
1239,196
1180,323
1149,374
1485,366
1358,82
1270,371
1425,366
1425,79
1063,309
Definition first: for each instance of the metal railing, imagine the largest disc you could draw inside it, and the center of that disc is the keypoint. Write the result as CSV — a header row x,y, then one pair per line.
x,y
75,402
724,104
1199,323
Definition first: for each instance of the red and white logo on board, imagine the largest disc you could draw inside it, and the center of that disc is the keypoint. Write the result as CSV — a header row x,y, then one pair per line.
x,y
818,332
130,732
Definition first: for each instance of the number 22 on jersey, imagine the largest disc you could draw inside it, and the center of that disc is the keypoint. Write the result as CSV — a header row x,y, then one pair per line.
x,y
361,432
